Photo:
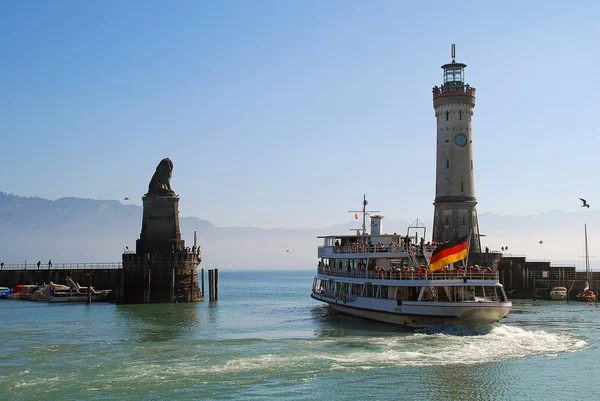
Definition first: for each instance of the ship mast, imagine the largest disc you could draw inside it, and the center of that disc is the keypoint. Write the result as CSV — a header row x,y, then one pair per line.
x,y
587,257
364,212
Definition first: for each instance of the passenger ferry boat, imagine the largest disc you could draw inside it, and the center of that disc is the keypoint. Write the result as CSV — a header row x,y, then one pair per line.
x,y
386,277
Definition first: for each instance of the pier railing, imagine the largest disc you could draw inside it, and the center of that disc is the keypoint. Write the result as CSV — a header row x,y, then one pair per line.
x,y
411,275
65,266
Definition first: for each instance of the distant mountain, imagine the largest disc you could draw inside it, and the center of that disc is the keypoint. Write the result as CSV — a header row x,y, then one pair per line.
x,y
89,230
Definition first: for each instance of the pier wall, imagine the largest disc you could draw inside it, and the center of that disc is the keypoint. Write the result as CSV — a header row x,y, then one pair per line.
x,y
531,279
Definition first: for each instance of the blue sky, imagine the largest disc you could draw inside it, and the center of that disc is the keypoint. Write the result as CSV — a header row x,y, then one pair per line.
x,y
285,113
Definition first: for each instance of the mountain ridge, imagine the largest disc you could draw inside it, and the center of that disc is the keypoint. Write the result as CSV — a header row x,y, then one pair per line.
x,y
74,229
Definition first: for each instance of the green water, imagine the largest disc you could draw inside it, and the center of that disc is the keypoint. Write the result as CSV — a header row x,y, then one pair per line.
x,y
266,339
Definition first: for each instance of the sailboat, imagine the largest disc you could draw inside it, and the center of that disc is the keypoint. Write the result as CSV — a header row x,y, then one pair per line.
x,y
587,295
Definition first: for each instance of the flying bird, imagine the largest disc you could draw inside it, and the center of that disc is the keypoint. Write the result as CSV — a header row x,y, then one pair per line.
x,y
585,204
126,198
541,242
288,250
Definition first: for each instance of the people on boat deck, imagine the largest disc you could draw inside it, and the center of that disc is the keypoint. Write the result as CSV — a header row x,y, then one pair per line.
x,y
397,271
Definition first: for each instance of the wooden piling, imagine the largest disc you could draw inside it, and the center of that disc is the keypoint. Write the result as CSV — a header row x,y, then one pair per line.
x,y
216,284
202,283
211,289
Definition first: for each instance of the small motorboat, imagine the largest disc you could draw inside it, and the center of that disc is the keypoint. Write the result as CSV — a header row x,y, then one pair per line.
x,y
558,293
23,291
5,292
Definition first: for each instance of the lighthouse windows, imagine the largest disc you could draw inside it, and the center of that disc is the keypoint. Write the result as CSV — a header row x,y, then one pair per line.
x,y
462,186
447,162
471,164
447,116
460,115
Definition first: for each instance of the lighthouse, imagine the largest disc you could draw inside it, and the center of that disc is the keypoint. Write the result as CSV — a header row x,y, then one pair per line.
x,y
455,212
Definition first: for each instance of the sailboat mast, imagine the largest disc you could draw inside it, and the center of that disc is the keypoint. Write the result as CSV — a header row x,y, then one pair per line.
x,y
587,257
364,213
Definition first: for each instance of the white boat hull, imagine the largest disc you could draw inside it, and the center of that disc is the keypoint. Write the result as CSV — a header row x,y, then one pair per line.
x,y
558,296
422,314
76,298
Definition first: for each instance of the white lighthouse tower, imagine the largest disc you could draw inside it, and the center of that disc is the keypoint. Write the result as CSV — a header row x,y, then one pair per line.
x,y
455,214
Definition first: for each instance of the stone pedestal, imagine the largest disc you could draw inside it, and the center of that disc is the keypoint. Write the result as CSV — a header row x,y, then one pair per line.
x,y
160,226
154,278
161,269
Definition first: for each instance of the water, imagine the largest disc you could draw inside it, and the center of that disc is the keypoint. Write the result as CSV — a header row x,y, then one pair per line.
x,y
266,339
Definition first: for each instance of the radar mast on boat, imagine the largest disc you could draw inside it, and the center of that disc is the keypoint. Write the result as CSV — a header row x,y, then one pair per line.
x,y
364,213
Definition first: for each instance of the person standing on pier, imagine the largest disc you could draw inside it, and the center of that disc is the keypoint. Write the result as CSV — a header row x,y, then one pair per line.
x,y
49,263
39,263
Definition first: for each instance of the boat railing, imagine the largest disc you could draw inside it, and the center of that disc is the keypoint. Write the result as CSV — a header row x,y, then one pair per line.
x,y
344,249
410,275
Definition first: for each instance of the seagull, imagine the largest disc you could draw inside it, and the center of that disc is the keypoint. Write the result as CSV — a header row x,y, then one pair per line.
x,y
585,204
502,249
541,242
126,198
506,248
288,250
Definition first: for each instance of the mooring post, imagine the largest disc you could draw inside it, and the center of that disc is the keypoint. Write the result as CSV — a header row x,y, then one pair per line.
x,y
89,297
216,284
203,283
534,290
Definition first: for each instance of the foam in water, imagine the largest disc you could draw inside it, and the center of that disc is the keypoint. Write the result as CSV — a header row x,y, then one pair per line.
x,y
454,346
435,347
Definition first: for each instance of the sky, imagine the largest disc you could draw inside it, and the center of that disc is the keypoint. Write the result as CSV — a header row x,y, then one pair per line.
x,y
283,113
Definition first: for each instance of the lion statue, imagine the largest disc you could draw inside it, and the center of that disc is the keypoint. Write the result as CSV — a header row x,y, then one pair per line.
x,y
160,184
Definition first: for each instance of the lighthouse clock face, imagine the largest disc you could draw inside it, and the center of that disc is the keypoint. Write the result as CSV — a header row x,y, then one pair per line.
x,y
460,140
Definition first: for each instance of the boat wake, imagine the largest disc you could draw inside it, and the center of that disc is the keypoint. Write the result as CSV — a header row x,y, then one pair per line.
x,y
450,346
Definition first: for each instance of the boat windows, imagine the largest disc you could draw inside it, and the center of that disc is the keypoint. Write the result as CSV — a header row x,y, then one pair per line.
x,y
490,294
465,293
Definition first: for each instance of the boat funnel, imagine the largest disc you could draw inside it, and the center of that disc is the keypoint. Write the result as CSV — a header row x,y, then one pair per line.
x,y
376,225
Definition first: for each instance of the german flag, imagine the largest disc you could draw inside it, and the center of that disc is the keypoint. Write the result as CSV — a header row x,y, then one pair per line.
x,y
450,252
